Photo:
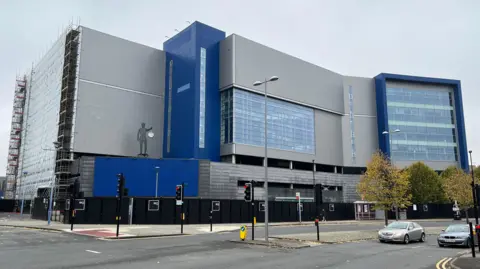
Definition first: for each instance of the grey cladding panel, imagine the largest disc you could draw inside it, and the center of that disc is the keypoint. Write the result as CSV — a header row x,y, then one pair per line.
x,y
226,62
328,138
224,180
114,61
299,80
107,121
366,140
364,99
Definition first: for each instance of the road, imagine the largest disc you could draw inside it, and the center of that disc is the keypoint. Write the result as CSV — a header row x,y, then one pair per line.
x,y
282,230
25,248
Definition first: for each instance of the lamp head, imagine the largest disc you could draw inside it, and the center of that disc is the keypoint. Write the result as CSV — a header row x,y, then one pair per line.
x,y
273,78
257,83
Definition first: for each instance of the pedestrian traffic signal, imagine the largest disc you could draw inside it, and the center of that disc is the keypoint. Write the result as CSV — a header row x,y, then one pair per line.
x,y
248,192
120,184
179,193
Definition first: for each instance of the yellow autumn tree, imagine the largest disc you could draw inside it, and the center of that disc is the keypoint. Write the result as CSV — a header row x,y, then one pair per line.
x,y
457,186
385,185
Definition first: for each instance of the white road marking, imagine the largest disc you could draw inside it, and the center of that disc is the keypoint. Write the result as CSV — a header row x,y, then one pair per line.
x,y
92,251
418,247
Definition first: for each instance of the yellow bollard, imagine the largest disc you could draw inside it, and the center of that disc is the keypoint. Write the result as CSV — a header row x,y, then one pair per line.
x,y
243,232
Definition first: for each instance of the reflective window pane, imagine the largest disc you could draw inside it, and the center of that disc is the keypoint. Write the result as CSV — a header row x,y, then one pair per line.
x,y
426,123
290,126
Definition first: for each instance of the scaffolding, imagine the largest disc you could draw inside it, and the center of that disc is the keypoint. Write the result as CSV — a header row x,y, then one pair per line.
x,y
64,155
15,137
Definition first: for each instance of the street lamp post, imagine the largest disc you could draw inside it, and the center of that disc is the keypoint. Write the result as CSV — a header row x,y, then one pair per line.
x,y
50,202
389,133
258,83
475,205
157,168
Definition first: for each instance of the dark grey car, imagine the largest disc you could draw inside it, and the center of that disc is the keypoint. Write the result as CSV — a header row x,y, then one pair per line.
x,y
456,235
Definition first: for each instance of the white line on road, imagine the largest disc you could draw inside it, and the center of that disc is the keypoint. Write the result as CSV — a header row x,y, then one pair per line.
x,y
418,247
92,251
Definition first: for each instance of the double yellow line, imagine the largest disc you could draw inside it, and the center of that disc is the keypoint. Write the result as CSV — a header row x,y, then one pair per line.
x,y
442,264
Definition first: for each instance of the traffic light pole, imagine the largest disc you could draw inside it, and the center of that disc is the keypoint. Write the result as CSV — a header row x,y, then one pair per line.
x,y
182,216
253,210
119,204
72,214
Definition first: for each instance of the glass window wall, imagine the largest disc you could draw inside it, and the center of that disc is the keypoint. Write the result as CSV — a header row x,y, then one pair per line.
x,y
425,119
290,126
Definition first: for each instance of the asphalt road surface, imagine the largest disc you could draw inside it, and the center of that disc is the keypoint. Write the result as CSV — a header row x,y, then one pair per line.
x,y
282,230
25,248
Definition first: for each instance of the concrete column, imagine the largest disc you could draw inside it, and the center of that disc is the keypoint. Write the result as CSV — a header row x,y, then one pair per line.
x,y
291,165
233,159
264,162
335,169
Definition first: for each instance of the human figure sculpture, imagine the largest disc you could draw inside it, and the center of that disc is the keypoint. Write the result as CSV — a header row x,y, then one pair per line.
x,y
142,139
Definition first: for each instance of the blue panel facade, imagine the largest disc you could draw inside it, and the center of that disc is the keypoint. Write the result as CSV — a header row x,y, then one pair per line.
x,y
140,176
382,115
183,87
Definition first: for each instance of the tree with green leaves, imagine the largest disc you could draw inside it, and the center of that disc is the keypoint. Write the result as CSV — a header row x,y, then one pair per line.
x,y
425,184
458,188
385,185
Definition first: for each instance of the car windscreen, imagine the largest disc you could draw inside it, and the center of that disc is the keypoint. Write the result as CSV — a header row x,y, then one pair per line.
x,y
398,225
457,229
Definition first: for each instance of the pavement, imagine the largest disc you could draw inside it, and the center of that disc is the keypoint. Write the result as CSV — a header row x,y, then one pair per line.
x,y
32,248
466,261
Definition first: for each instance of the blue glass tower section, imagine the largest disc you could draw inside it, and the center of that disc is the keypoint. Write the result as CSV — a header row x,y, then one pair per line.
x,y
192,97
430,119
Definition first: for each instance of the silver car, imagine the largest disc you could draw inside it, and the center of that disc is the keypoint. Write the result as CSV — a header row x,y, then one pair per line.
x,y
456,235
402,231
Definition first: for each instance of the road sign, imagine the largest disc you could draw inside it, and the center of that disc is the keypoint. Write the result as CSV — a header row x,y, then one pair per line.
x,y
262,206
179,202
297,196
79,204
153,205
215,205
300,205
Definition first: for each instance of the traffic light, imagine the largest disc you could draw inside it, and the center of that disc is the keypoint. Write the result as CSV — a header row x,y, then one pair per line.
x,y
248,192
179,193
120,184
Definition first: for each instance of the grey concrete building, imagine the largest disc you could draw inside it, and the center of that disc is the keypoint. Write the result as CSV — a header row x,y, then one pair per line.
x,y
198,97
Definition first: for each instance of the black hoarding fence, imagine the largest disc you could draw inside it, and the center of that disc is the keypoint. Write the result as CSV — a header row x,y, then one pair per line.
x,y
101,210
98,210
7,205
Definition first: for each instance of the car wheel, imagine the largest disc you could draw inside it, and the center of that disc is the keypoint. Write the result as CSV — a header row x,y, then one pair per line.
x,y
422,239
406,239
440,245
381,241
